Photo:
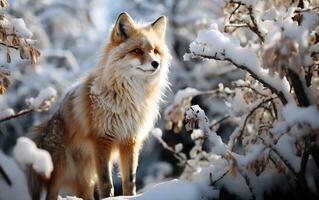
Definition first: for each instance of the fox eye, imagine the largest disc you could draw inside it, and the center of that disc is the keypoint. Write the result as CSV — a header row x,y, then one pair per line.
x,y
156,51
138,51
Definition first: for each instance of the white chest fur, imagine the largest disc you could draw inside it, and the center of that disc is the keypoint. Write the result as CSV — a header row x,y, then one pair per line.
x,y
123,118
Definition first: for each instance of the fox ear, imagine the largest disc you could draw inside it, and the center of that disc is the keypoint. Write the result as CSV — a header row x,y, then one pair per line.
x,y
159,26
123,28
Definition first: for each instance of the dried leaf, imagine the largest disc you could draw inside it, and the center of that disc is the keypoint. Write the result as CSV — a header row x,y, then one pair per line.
x,y
4,80
34,55
282,55
190,125
24,53
4,3
2,89
2,35
8,55
15,41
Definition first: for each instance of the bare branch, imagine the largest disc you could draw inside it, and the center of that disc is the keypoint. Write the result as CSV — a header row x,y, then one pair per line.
x,y
255,27
236,8
22,112
273,148
10,46
299,89
219,121
5,176
251,88
218,179
305,157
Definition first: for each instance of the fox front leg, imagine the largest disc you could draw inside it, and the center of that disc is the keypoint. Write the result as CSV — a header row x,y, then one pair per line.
x,y
128,164
104,168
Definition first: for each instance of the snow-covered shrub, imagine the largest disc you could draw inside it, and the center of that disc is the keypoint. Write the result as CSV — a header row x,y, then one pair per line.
x,y
14,35
57,29
274,149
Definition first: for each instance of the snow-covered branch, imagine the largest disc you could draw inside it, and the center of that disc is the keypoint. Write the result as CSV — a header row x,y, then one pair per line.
x,y
40,103
212,44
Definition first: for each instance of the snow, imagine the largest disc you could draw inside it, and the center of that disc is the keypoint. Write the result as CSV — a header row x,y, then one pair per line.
x,y
158,171
169,190
20,26
238,103
272,180
197,133
19,186
314,48
16,26
195,112
44,99
251,155
69,198
270,14
157,132
6,113
178,147
248,2
285,147
185,93
26,153
294,114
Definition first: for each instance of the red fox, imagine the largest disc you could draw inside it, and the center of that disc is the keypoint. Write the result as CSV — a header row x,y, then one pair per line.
x,y
111,111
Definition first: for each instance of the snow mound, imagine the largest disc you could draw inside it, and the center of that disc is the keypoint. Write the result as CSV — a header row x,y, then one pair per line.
x,y
26,153
169,190
19,184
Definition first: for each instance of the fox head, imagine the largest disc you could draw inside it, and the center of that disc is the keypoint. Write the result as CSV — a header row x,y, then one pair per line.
x,y
136,51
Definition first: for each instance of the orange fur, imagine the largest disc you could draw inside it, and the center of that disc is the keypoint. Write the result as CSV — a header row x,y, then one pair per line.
x,y
112,110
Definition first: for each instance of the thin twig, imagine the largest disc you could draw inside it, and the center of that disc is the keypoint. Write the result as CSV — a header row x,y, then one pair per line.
x,y
181,159
5,176
218,179
233,12
247,116
219,121
255,27
22,112
10,46
273,148
237,25
253,89
306,9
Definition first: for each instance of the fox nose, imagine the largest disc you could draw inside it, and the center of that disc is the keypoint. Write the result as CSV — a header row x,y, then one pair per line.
x,y
155,64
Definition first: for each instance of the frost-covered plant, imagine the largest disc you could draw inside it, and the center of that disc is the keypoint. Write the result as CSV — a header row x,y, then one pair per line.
x,y
15,35
274,148
57,27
